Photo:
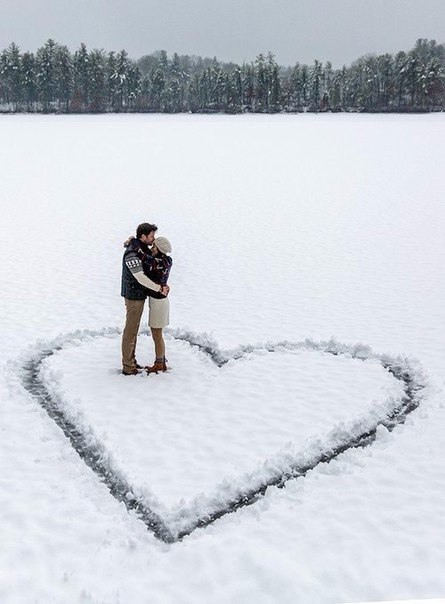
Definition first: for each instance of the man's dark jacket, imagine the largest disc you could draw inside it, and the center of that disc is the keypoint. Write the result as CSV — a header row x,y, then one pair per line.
x,y
131,288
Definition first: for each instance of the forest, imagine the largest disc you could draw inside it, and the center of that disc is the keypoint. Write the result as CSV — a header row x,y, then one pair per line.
x,y
55,80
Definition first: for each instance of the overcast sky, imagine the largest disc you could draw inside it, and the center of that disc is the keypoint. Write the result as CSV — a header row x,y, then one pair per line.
x,y
232,30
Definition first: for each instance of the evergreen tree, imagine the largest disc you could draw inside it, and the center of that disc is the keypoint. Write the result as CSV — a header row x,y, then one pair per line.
x,y
11,75
412,71
248,86
46,72
144,100
29,80
173,96
217,81
193,98
163,61
97,88
400,78
122,67
261,87
338,84
64,75
316,76
134,85
386,81
157,88
235,101
305,83
273,85
81,64
328,76
112,81
175,67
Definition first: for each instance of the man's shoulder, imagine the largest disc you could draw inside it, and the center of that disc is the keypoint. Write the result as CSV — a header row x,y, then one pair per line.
x,y
134,246
129,254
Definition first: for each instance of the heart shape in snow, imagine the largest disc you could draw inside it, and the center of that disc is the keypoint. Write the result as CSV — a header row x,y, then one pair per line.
x,y
183,448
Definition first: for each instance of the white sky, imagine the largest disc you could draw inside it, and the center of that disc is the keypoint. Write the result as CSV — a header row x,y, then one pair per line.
x,y
232,30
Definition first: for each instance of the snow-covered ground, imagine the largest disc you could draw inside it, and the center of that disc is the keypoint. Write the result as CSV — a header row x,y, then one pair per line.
x,y
284,228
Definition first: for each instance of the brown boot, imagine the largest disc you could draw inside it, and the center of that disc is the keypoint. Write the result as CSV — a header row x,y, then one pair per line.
x,y
134,371
159,365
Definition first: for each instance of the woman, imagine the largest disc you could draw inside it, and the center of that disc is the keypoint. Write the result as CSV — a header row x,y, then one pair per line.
x,y
157,265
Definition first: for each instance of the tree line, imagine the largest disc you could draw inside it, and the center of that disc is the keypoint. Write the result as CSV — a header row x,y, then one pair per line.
x,y
93,81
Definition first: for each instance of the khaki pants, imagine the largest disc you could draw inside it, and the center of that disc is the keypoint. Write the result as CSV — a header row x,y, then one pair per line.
x,y
134,310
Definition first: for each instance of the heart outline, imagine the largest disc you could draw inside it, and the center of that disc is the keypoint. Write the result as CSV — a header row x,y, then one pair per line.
x,y
95,455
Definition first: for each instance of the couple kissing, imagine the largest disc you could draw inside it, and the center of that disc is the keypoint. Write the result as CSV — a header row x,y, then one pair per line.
x,y
146,266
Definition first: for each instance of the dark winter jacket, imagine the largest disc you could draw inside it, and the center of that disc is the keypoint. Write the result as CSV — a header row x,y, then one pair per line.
x,y
157,268
131,263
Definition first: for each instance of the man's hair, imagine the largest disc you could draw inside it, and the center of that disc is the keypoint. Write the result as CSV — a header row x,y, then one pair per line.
x,y
145,229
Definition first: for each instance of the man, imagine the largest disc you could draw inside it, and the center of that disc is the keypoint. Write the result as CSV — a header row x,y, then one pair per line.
x,y
135,289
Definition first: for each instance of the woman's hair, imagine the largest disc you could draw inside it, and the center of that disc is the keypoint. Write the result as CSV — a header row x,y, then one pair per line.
x,y
145,229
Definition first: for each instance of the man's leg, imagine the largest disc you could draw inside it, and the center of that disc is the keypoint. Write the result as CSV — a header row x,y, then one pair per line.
x,y
134,310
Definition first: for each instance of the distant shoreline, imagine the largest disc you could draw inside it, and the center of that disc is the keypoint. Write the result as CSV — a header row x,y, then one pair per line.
x,y
54,80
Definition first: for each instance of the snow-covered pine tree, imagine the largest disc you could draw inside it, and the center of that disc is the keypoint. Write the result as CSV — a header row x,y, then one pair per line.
x,y
46,75
64,74
97,86
134,86
12,77
81,63
29,80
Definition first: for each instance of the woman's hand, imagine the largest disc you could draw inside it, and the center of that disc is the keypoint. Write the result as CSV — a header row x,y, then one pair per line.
x,y
165,290
128,241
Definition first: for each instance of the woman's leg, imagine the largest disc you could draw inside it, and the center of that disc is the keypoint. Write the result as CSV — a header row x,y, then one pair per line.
x,y
158,319
158,339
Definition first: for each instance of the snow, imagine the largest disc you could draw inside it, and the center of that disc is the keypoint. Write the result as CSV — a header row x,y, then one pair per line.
x,y
284,229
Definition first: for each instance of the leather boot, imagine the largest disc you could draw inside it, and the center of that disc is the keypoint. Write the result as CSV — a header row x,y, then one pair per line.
x,y
159,365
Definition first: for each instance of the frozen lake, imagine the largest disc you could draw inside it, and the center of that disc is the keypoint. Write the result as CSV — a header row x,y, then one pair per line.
x,y
283,228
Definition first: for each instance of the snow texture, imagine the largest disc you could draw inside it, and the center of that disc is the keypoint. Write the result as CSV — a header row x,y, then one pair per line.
x,y
294,238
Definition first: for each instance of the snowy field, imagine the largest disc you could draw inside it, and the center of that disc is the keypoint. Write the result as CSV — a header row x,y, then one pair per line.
x,y
308,255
